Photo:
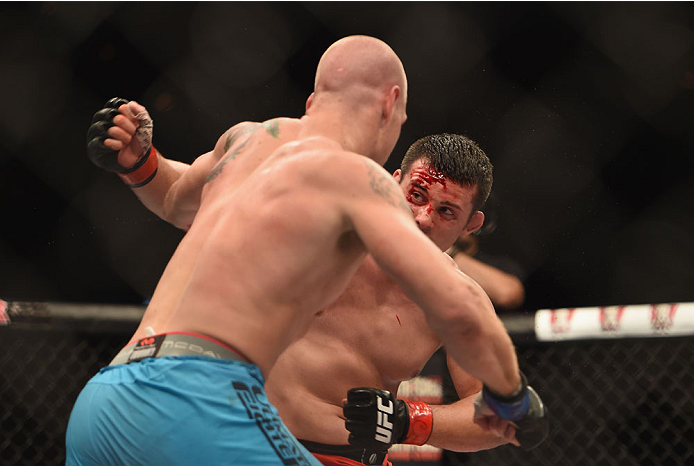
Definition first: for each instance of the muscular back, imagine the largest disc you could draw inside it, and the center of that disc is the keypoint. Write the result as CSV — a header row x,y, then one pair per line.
x,y
270,245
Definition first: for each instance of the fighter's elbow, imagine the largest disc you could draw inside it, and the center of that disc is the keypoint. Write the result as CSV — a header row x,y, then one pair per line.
x,y
174,211
468,315
182,220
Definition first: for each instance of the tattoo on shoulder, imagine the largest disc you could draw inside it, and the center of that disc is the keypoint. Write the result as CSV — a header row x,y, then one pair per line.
x,y
386,187
242,134
239,134
272,127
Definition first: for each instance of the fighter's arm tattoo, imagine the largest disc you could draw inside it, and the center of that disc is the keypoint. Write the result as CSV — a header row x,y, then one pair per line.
x,y
242,134
386,187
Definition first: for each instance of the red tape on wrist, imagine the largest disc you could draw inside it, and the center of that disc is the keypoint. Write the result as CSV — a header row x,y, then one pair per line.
x,y
421,423
144,173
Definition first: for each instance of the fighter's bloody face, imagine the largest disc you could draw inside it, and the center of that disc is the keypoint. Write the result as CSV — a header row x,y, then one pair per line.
x,y
440,206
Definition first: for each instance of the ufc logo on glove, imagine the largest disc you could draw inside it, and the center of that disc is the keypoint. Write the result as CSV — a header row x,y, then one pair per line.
x,y
384,430
376,419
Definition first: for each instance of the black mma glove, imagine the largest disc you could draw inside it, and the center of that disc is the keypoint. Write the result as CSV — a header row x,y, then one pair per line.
x,y
376,419
143,171
524,408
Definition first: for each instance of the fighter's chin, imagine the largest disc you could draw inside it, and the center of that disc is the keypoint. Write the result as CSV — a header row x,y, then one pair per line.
x,y
428,235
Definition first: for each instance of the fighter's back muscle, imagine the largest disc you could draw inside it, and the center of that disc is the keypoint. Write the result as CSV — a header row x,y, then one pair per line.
x,y
230,268
235,156
245,146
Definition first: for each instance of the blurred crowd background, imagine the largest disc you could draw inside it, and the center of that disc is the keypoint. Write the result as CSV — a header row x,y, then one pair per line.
x,y
585,110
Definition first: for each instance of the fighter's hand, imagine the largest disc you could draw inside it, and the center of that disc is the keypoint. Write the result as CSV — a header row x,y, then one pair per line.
x,y
490,422
525,410
377,420
120,141
120,136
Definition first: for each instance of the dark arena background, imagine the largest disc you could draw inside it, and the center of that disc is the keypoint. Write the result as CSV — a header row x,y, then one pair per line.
x,y
585,110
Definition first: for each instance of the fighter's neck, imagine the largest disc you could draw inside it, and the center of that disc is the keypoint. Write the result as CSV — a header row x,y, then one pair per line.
x,y
348,134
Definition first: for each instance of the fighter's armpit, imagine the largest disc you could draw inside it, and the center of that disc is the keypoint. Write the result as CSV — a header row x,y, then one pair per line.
x,y
386,187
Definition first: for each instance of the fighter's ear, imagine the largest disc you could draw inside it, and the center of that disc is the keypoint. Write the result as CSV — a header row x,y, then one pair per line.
x,y
389,103
475,222
397,174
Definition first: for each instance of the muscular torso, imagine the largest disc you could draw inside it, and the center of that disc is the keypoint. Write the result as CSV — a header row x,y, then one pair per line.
x,y
267,249
372,336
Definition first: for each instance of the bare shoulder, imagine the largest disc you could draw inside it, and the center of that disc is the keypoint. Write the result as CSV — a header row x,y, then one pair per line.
x,y
370,181
240,132
356,177
233,134
383,185
233,142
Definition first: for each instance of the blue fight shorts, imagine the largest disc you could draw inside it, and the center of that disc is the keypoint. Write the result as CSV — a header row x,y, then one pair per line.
x,y
184,410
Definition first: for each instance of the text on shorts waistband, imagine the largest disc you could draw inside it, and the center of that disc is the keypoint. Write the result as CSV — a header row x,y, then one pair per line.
x,y
176,344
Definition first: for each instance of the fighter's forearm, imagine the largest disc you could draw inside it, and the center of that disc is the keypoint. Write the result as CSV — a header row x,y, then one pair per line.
x,y
154,194
454,429
489,355
477,340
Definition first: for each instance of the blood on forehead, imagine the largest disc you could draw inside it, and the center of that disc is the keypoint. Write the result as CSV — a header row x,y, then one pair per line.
x,y
427,176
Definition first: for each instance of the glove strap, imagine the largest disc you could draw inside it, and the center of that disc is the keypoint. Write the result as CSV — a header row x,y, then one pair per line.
x,y
143,171
421,423
511,408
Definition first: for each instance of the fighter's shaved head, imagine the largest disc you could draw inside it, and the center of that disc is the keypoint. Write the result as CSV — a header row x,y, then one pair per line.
x,y
360,96
359,62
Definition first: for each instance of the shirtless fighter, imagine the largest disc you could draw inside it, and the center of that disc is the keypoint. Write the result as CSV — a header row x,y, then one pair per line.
x,y
373,335
284,213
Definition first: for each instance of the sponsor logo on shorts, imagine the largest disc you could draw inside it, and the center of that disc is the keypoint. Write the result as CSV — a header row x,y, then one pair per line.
x,y
188,347
146,348
282,441
384,428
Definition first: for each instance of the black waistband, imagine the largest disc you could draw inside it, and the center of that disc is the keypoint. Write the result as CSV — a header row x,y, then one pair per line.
x,y
361,455
176,344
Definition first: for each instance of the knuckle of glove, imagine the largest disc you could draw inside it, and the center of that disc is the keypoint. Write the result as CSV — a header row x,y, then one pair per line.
x,y
98,153
369,417
102,156
358,394
116,102
105,115
99,129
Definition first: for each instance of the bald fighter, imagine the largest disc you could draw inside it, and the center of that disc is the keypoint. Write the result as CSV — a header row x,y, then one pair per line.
x,y
281,215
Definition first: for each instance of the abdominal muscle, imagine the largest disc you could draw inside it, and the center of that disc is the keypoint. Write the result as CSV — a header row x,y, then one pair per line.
x,y
308,390
365,339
